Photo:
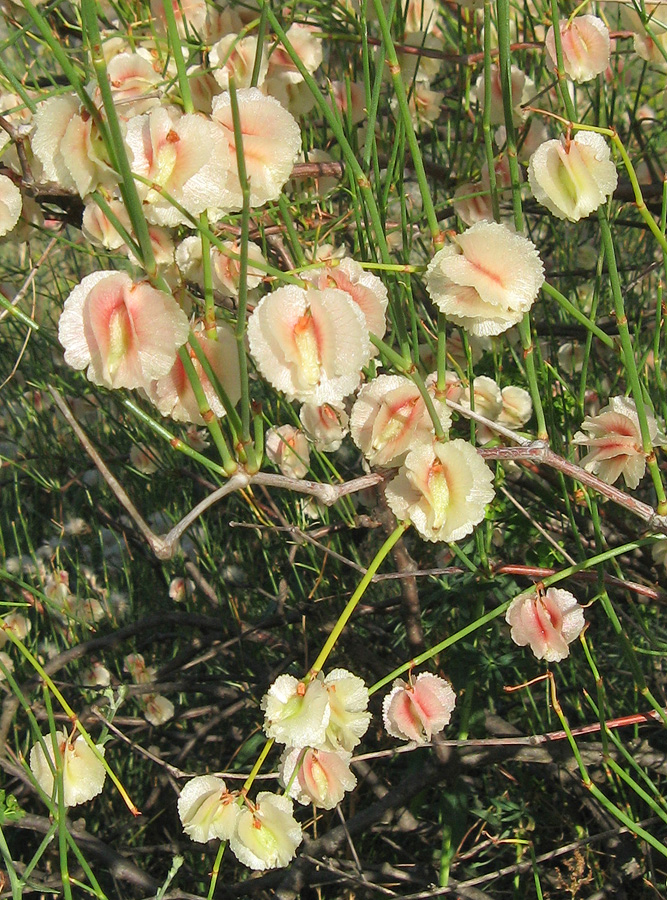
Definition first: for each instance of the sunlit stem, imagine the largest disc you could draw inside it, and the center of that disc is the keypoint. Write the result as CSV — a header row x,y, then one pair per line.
x,y
113,139
505,68
655,229
207,414
441,358
486,119
243,279
215,871
344,617
404,110
67,709
247,784
175,442
210,329
560,66
629,359
576,313
177,53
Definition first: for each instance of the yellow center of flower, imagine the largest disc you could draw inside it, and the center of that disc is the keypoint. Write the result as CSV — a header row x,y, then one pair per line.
x,y
305,338
120,339
438,490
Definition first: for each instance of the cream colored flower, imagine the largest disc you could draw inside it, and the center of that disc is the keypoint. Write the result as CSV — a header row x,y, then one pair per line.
x,y
309,344
573,177
207,809
364,288
185,155
615,442
126,333
389,417
157,709
548,621
348,704
485,279
8,664
266,836
325,425
173,394
488,401
234,56
419,709
322,776
271,143
82,771
522,90
517,407
11,204
443,489
296,714
287,447
586,47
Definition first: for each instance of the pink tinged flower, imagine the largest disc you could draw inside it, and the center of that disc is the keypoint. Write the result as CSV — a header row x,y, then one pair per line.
x,y
348,705
11,204
133,83
586,47
389,416
271,143
127,333
172,393
364,288
307,47
157,709
98,229
488,401
472,203
322,776
325,425
96,675
309,344
573,177
267,835
180,588
296,714
83,770
287,447
419,709
207,810
18,624
143,459
234,56
517,407
350,99
443,489
190,15
135,665
522,89
486,279
614,442
187,156
548,621
226,269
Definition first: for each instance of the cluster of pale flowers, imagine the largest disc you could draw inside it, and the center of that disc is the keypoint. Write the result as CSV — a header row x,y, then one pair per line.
x,y
319,721
157,709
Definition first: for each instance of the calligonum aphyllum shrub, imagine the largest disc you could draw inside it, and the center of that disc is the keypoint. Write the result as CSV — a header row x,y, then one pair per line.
x,y
586,47
546,620
310,344
83,772
614,442
443,488
485,279
573,176
125,333
418,709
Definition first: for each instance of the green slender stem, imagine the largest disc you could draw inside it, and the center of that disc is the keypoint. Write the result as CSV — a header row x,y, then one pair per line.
x,y
441,357
240,331
486,117
344,617
404,110
261,37
531,374
655,229
175,442
177,53
505,68
560,67
114,143
629,360
295,243
232,415
210,328
14,881
215,871
576,313
207,414
129,239
247,784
